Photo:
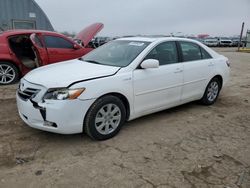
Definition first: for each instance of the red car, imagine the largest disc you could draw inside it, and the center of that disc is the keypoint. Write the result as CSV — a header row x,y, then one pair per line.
x,y
24,50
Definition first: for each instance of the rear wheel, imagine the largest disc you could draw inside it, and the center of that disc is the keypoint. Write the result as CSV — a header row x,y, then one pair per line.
x,y
9,74
212,92
105,118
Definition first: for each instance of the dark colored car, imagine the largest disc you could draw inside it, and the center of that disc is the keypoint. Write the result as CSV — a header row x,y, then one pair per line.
x,y
236,42
24,50
98,41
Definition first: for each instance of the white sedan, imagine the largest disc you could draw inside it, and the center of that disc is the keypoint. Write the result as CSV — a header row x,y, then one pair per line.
x,y
120,81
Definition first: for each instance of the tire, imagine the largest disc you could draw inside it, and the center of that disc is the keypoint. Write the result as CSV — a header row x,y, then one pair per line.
x,y
105,118
212,92
9,74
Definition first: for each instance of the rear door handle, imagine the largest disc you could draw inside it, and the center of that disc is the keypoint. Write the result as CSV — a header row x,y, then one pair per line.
x,y
178,70
211,64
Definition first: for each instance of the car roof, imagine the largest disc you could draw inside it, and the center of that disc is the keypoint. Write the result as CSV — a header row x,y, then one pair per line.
x,y
141,39
25,31
156,39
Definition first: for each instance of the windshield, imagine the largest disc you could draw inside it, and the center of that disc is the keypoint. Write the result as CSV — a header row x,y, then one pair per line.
x,y
117,53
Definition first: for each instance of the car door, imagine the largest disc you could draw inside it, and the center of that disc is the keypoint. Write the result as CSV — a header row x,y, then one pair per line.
x,y
60,48
196,70
158,88
39,49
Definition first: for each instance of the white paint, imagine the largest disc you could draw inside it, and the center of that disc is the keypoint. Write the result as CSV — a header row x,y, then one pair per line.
x,y
147,90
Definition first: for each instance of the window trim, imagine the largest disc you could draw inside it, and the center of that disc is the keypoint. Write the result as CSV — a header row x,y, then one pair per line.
x,y
40,40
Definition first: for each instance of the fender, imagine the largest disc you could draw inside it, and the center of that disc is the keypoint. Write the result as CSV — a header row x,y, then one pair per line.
x,y
9,59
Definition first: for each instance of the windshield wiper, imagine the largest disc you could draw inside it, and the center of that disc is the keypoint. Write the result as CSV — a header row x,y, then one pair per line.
x,y
91,61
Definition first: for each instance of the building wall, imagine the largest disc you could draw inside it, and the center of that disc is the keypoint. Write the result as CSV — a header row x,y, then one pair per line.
x,y
14,11
248,39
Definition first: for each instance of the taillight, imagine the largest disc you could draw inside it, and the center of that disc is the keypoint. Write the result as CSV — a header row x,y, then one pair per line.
x,y
228,63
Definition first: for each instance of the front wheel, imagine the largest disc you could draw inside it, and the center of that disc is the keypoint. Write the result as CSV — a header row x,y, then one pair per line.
x,y
105,118
8,73
212,92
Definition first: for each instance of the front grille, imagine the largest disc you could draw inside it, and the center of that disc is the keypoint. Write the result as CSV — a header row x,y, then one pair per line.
x,y
28,93
226,42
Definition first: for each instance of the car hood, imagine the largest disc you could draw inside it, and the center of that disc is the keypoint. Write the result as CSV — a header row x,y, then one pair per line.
x,y
87,34
65,73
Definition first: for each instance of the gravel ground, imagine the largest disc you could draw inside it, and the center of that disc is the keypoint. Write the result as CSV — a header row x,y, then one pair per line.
x,y
190,146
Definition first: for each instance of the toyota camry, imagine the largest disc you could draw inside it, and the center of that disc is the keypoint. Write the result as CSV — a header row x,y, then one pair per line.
x,y
122,80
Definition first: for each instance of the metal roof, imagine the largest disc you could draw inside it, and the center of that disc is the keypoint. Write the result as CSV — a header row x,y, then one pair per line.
x,y
24,10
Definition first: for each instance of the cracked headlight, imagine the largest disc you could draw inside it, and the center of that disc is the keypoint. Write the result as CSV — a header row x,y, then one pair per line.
x,y
63,94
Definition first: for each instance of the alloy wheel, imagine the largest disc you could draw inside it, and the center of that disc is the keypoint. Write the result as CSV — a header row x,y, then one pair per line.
x,y
212,92
107,119
7,74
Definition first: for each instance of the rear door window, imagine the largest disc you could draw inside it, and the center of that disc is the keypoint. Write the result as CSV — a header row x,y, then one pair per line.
x,y
190,51
205,54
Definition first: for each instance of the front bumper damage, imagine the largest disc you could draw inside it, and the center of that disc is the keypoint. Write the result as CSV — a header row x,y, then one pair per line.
x,y
58,116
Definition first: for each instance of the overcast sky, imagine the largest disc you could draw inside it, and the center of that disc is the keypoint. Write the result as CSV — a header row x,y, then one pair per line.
x,y
128,17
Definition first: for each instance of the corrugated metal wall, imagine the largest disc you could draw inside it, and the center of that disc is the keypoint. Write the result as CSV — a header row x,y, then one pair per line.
x,y
248,39
22,10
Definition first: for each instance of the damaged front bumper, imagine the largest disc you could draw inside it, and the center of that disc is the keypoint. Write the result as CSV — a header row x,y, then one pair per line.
x,y
58,116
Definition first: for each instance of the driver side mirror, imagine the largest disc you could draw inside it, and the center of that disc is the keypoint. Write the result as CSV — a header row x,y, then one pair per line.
x,y
76,46
150,63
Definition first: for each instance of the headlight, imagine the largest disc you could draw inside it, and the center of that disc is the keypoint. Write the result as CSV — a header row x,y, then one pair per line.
x,y
63,94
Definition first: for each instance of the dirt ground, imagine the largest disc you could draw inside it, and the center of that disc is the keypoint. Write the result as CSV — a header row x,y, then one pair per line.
x,y
191,146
